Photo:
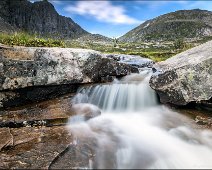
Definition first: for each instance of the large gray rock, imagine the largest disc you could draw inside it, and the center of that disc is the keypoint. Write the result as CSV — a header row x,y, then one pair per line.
x,y
186,77
29,71
133,60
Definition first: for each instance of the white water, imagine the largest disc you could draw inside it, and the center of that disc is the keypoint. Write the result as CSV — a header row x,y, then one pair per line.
x,y
135,132
130,94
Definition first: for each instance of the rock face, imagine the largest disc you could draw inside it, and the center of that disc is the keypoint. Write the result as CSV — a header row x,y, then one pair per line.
x,y
185,77
38,18
189,24
6,27
29,71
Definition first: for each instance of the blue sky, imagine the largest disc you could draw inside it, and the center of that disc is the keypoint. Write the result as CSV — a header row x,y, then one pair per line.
x,y
114,18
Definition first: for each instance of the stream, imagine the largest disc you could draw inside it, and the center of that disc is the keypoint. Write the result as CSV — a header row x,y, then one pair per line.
x,y
135,131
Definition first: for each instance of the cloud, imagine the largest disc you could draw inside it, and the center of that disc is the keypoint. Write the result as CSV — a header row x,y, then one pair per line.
x,y
103,11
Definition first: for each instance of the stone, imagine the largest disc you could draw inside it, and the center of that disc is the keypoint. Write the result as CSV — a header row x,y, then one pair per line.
x,y
29,74
6,138
133,60
45,148
186,77
52,112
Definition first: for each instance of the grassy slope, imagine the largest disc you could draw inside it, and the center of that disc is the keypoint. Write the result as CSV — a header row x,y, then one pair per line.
x,y
23,39
156,52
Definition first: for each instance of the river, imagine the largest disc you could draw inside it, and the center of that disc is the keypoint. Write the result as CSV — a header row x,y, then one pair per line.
x,y
135,131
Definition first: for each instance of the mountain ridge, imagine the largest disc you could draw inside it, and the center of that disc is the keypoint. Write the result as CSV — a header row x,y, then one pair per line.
x,y
38,18
188,24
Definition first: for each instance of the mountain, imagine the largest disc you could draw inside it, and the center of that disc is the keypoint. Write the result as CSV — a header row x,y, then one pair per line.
x,y
94,38
189,24
6,27
37,18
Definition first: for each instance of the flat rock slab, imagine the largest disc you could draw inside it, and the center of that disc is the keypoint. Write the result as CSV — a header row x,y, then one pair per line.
x,y
34,147
42,148
55,109
6,138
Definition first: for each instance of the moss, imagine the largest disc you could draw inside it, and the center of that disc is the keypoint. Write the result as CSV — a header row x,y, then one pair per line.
x,y
190,76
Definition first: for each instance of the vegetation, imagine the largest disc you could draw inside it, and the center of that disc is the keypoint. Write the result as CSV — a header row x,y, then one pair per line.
x,y
23,39
189,24
155,51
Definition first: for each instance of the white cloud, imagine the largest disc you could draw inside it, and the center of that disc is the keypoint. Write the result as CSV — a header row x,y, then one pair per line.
x,y
103,11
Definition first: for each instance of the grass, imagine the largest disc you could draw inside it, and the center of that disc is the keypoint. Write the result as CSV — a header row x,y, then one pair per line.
x,y
23,39
156,52
152,51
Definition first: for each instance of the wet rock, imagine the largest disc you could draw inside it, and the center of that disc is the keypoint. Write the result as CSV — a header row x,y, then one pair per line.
x,y
185,77
34,147
203,120
43,148
79,154
6,138
207,105
28,95
51,112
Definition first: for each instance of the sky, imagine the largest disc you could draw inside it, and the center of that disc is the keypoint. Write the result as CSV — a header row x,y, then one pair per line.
x,y
114,18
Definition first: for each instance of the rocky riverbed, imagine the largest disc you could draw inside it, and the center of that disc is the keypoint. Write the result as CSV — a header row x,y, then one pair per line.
x,y
46,142
35,136
38,84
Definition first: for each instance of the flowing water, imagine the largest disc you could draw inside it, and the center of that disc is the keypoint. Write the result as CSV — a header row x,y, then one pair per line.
x,y
134,131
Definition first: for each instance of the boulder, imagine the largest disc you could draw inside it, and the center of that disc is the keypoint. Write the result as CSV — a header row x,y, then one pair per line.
x,y
186,77
35,73
133,60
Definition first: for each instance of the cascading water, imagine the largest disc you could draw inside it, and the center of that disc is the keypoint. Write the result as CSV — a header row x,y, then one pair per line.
x,y
130,94
135,132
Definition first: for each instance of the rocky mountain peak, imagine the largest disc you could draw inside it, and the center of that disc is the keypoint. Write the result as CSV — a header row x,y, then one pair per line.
x,y
188,24
39,18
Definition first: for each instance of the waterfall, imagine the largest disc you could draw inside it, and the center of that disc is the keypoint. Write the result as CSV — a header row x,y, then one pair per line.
x,y
148,136
129,94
